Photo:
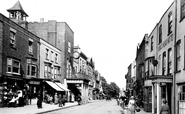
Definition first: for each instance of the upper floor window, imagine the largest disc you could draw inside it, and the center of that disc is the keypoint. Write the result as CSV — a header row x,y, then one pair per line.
x,y
30,46
56,58
182,9
13,66
169,61
160,34
12,38
69,47
164,64
178,58
170,23
47,71
52,56
152,43
47,54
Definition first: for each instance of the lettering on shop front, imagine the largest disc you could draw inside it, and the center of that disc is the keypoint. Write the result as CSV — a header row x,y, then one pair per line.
x,y
166,42
34,82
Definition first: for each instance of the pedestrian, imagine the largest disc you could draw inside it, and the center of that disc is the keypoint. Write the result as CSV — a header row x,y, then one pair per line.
x,y
132,105
55,99
63,100
165,108
39,102
60,100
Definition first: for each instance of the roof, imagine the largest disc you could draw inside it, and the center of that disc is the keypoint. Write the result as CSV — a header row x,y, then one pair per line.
x,y
17,7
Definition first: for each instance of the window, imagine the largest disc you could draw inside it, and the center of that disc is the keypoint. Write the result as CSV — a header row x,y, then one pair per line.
x,y
47,70
163,92
69,47
170,23
150,94
47,54
12,39
31,70
152,43
181,99
178,58
146,69
30,46
164,64
52,56
169,61
151,67
56,58
182,9
13,66
160,34
56,73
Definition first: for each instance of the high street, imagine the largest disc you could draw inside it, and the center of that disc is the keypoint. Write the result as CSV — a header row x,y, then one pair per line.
x,y
98,107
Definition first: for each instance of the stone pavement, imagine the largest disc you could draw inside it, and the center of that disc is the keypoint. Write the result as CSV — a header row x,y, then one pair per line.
x,y
32,109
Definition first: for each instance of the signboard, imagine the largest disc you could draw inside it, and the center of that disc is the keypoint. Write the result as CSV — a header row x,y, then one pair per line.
x,y
34,82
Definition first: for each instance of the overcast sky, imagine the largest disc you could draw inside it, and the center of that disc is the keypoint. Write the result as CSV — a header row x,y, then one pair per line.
x,y
106,30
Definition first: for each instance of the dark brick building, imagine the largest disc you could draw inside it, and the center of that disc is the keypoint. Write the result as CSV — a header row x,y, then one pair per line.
x,y
19,63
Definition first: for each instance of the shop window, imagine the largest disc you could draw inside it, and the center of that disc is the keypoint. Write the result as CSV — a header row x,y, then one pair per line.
x,y
13,66
163,92
150,94
181,99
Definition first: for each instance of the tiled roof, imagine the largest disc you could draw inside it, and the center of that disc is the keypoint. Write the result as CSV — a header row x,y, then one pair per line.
x,y
17,7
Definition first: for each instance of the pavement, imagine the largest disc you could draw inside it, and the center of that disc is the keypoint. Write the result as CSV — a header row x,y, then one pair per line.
x,y
32,109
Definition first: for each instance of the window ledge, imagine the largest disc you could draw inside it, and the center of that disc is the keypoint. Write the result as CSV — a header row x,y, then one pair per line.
x,y
178,71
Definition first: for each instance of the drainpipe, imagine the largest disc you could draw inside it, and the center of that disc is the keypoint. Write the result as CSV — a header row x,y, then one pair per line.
x,y
175,55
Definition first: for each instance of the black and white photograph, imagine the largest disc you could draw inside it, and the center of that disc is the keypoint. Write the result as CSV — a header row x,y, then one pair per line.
x,y
92,57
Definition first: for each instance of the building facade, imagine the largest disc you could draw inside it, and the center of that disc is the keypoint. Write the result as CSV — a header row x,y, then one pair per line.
x,y
19,57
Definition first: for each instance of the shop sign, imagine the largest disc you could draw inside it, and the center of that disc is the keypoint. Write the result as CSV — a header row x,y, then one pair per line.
x,y
34,82
166,42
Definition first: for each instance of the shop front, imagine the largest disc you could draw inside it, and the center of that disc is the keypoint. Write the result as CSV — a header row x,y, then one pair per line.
x,y
161,89
12,87
34,88
50,90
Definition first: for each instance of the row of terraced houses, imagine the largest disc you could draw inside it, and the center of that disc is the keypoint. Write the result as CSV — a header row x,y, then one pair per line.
x,y
39,58
158,71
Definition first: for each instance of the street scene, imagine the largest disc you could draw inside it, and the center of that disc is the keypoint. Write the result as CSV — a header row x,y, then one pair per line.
x,y
92,57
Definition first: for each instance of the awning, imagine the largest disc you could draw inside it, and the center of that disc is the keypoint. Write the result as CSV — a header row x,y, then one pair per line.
x,y
54,86
62,86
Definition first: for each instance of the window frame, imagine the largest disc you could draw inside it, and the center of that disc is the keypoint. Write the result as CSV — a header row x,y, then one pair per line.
x,y
47,54
164,63
69,47
30,46
178,55
182,10
152,44
11,66
30,70
170,23
160,34
12,39
169,72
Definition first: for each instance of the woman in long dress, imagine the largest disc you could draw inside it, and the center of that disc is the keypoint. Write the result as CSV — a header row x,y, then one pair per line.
x,y
132,105
165,108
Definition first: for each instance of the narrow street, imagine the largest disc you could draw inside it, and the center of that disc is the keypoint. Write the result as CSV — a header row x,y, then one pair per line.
x,y
97,107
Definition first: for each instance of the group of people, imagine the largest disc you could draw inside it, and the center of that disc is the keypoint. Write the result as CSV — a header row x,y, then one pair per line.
x,y
132,106
58,99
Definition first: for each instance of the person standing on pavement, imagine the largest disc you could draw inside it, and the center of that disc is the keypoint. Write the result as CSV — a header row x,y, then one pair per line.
x,y
165,108
60,100
132,105
39,102
56,99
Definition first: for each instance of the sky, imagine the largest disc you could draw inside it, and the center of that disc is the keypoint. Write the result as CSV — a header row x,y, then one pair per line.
x,y
106,30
